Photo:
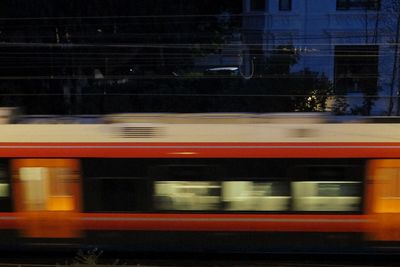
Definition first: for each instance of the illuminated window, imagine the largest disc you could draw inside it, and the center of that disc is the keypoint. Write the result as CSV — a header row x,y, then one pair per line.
x,y
5,200
60,190
4,185
326,195
4,190
46,189
387,190
35,187
59,185
187,195
252,196
390,183
233,196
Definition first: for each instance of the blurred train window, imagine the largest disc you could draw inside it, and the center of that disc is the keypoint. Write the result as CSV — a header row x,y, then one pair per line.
x,y
256,196
59,184
389,183
186,172
116,185
35,187
326,196
4,185
4,190
327,172
60,190
343,189
47,189
186,187
117,194
387,189
187,195
327,187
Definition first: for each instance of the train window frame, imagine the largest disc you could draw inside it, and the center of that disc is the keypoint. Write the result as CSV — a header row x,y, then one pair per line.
x,y
214,172
307,192
97,170
5,182
100,203
186,206
221,205
223,170
258,181
355,173
161,172
6,179
165,173
300,172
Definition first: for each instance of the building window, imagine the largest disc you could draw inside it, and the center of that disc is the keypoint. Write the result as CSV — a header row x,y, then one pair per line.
x,y
285,5
358,4
356,68
257,5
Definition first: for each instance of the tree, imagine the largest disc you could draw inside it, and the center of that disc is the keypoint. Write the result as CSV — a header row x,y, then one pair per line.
x,y
283,90
313,89
64,47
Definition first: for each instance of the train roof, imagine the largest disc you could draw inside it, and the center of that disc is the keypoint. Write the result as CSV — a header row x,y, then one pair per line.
x,y
12,116
200,118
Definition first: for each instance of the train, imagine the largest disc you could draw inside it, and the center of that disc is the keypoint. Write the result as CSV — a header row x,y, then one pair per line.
x,y
216,182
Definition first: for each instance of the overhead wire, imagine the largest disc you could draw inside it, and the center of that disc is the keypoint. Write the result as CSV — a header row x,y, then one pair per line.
x,y
169,16
198,95
167,56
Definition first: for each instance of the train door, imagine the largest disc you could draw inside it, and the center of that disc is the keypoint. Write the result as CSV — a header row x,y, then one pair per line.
x,y
47,197
383,194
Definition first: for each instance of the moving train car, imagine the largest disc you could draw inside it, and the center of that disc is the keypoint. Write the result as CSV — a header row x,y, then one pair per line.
x,y
200,182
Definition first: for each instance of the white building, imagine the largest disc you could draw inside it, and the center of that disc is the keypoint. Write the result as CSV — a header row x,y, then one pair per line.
x,y
347,40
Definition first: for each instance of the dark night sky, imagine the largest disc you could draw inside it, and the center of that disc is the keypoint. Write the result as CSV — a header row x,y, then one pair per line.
x,y
55,47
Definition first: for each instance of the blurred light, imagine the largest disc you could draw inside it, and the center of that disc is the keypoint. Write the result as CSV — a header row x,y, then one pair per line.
x,y
183,153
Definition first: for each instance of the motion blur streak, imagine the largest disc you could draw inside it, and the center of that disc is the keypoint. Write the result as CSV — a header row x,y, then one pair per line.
x,y
201,183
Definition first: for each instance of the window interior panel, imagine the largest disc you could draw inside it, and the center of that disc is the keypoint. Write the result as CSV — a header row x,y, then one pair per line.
x,y
223,185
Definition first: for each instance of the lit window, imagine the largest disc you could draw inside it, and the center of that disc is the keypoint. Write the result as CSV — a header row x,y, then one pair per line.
x,y
255,196
4,190
46,189
326,195
390,183
187,195
35,187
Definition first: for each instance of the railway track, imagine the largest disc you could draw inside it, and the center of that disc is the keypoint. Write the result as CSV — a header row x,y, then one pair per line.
x,y
198,263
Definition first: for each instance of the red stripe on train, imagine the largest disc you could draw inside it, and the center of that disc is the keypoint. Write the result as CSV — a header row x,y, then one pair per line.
x,y
207,222
210,222
201,150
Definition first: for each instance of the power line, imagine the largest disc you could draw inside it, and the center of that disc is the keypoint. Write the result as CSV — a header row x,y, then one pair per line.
x,y
169,16
173,77
198,95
